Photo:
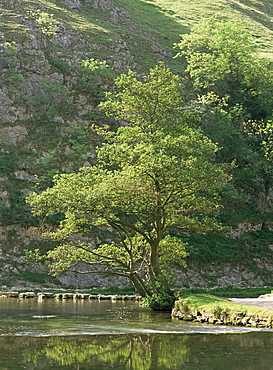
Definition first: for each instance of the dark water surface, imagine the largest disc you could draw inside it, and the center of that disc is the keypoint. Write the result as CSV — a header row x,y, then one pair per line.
x,y
75,334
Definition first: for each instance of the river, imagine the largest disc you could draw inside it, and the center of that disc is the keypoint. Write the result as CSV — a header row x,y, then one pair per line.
x,y
82,334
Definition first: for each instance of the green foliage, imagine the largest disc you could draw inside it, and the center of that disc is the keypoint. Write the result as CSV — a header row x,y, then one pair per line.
x,y
259,137
49,101
261,133
7,162
70,152
227,291
162,298
243,251
153,175
114,289
95,75
220,58
35,277
160,301
11,78
17,211
47,24
48,27
60,64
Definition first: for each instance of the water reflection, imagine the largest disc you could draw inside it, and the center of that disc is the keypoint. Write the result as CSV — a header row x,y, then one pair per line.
x,y
140,352
53,335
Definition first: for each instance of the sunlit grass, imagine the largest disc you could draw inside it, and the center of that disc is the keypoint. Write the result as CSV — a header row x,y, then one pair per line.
x,y
153,26
210,303
181,15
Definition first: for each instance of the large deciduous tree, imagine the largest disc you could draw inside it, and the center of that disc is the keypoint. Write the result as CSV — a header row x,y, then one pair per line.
x,y
155,178
222,59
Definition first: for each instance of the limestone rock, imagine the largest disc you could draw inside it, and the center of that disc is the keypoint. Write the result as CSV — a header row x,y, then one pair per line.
x,y
13,134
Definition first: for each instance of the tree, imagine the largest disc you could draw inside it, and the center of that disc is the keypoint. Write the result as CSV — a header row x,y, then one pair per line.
x,y
154,180
95,75
221,59
260,138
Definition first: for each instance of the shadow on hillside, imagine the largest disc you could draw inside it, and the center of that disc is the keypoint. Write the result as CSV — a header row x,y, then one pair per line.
x,y
149,31
260,14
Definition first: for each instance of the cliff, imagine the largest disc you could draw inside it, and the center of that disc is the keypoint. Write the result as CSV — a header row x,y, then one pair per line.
x,y
49,98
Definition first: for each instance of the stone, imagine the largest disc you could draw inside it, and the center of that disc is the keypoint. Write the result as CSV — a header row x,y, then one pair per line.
x,y
81,296
58,296
188,317
67,295
102,296
72,4
245,320
4,64
212,320
27,295
116,297
42,295
12,134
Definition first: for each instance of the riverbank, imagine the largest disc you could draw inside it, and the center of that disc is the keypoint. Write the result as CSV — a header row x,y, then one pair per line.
x,y
200,308
209,309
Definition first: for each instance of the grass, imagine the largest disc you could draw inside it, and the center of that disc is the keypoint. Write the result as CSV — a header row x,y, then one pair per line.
x,y
180,16
229,291
152,27
210,303
36,277
114,289
111,290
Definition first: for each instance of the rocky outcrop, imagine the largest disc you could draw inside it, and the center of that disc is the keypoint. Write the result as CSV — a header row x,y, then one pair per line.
x,y
40,102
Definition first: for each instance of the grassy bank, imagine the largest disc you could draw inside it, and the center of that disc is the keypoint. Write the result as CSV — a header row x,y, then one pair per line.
x,y
210,309
228,291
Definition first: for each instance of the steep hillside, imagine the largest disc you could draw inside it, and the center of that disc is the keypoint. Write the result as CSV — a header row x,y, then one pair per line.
x,y
48,99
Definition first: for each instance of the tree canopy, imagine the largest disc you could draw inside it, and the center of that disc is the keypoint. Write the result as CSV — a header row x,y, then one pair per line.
x,y
155,179
222,59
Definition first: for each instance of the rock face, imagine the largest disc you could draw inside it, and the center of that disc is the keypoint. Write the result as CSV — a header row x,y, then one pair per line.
x,y
215,274
47,106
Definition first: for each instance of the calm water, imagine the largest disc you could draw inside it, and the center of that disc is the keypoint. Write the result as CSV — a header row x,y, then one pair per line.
x,y
69,334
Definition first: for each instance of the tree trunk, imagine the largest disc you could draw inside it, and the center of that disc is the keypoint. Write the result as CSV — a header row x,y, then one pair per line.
x,y
139,285
154,263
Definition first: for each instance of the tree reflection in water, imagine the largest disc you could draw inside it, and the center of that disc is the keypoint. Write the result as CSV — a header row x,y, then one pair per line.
x,y
140,352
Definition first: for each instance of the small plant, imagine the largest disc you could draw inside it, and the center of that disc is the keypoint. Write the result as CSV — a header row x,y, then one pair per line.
x,y
47,24
162,298
50,100
11,77
60,64
95,74
159,301
37,277
218,310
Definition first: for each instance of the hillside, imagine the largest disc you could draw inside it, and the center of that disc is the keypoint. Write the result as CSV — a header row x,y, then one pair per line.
x,y
48,102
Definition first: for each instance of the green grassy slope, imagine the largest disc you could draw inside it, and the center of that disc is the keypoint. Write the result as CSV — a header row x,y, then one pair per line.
x,y
150,24
167,19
